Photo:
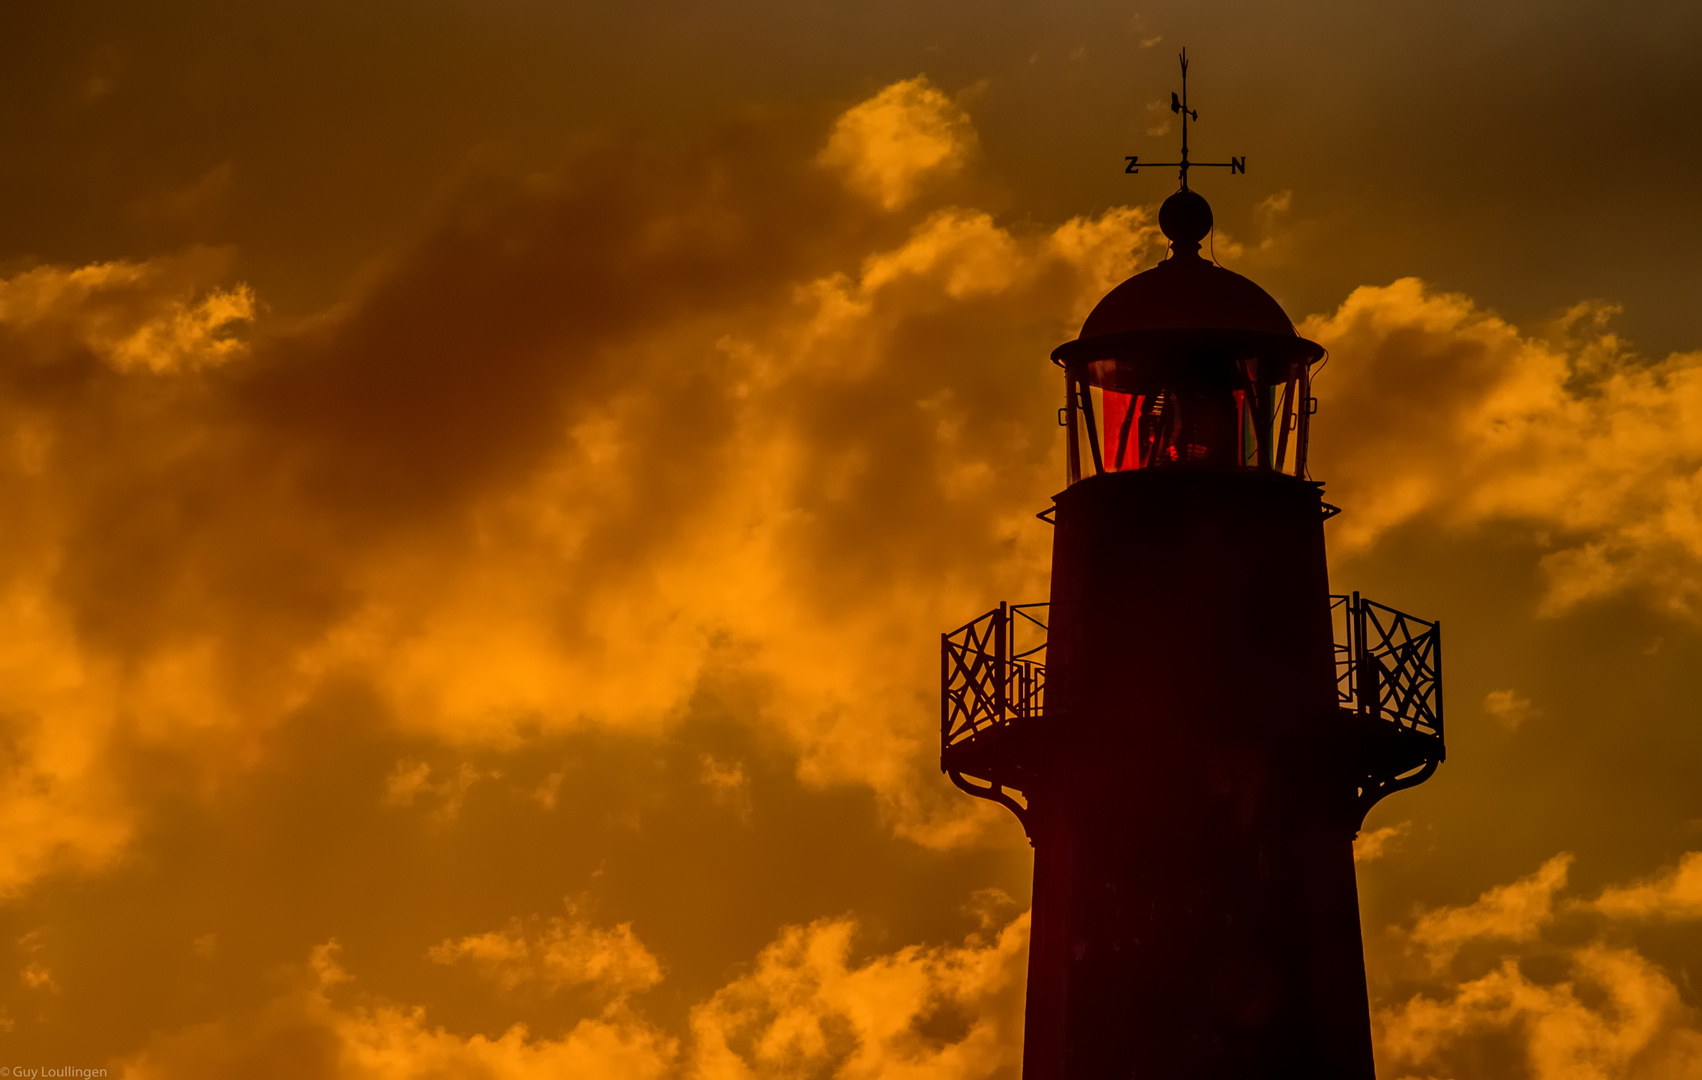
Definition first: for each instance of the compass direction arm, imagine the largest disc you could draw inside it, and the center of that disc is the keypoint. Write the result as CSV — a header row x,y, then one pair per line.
x,y
1234,164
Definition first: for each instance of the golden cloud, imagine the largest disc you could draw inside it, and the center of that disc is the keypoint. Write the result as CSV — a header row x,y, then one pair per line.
x,y
310,1034
805,1008
561,952
888,146
1619,1016
1612,1012
1373,845
1516,912
1676,894
1509,708
1438,410
153,316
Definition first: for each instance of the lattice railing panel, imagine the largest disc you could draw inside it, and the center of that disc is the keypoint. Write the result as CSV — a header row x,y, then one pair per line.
x,y
1388,663
992,671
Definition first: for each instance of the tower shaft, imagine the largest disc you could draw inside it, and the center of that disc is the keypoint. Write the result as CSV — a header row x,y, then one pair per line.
x,y
1195,910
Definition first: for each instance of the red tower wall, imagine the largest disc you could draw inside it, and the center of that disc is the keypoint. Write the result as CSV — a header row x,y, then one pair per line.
x,y
1195,909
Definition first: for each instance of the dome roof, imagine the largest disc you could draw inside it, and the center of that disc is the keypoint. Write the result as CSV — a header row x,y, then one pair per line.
x,y
1184,300
1185,292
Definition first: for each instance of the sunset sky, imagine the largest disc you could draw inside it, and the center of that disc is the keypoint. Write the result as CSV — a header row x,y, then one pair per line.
x,y
483,483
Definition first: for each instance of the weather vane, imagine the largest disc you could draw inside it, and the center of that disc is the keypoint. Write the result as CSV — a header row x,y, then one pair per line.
x,y
1180,105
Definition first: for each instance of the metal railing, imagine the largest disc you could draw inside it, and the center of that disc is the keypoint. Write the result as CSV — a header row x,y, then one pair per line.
x,y
993,668
992,672
1388,670
1388,664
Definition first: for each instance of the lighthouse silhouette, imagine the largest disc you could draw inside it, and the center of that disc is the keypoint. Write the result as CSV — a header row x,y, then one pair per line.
x,y
1194,727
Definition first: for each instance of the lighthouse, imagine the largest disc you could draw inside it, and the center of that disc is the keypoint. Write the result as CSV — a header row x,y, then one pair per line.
x,y
1192,729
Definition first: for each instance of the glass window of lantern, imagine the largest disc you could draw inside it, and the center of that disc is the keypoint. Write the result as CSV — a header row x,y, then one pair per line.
x,y
1249,412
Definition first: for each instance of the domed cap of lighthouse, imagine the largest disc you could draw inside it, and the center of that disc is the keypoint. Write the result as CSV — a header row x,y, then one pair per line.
x,y
1186,296
1186,292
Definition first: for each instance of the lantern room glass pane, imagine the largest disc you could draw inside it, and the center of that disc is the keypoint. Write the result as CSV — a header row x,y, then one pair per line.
x,y
1237,411
1122,434
1171,427
1228,414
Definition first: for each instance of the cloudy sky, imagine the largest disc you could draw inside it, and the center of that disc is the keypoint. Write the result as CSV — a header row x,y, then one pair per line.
x,y
482,484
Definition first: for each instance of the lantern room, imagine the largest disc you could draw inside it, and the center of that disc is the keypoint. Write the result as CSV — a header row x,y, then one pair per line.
x,y
1187,365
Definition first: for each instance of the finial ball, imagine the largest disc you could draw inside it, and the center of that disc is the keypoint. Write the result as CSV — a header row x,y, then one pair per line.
x,y
1185,218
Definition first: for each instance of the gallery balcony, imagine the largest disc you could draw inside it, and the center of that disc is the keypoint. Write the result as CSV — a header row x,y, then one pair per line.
x,y
1388,697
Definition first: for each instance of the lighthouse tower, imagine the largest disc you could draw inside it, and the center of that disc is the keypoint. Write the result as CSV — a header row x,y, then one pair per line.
x,y
1192,731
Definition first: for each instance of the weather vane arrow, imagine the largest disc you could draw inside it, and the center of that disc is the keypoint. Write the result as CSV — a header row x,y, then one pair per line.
x,y
1180,105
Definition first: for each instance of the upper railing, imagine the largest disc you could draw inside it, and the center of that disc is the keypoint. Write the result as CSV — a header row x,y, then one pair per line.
x,y
1388,664
1388,673
992,671
993,668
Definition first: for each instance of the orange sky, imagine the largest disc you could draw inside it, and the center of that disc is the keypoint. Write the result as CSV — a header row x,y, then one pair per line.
x,y
484,485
